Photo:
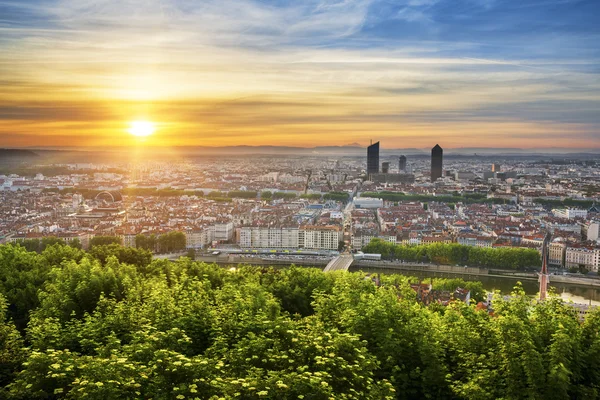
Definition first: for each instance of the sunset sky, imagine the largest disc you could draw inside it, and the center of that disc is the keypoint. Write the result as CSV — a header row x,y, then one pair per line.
x,y
411,73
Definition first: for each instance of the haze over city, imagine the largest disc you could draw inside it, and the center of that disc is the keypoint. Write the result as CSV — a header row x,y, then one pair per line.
x,y
517,74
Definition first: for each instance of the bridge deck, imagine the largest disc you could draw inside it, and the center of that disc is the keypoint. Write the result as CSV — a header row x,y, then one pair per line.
x,y
340,263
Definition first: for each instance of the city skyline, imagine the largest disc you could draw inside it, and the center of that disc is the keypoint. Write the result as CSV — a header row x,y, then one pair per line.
x,y
320,73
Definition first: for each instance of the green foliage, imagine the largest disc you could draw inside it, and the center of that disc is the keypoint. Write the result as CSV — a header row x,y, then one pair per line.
x,y
191,254
454,198
39,245
311,196
337,196
145,242
294,288
128,255
564,203
284,195
167,192
76,244
170,242
11,343
216,194
454,253
105,240
478,293
266,194
111,324
22,273
242,194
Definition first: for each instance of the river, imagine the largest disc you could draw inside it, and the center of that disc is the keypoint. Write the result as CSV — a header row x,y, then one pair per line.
x,y
568,292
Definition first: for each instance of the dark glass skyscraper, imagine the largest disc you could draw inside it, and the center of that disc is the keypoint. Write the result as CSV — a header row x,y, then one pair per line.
x,y
385,167
437,155
402,163
373,159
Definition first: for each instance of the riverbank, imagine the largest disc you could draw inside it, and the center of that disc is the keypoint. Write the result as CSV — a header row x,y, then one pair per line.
x,y
372,266
473,271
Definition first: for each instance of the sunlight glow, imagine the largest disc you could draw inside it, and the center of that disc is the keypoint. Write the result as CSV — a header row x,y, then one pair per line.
x,y
141,128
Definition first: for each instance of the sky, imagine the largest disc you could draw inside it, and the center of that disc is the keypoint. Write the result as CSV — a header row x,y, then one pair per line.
x,y
409,73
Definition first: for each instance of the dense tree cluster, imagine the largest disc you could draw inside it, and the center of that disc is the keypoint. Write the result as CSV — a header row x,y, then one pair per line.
x,y
75,326
284,195
146,242
568,202
105,240
242,194
455,198
311,196
337,196
39,245
457,254
165,243
171,241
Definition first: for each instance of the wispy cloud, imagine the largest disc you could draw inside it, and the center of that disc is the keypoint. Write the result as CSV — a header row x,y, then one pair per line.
x,y
251,70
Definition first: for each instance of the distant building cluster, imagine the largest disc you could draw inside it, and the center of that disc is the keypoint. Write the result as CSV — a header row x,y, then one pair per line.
x,y
319,203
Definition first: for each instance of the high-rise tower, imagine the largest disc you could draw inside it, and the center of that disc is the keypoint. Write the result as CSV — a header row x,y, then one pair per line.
x,y
385,167
437,155
373,159
402,163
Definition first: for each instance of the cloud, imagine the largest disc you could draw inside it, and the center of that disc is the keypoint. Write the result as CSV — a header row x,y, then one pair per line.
x,y
248,70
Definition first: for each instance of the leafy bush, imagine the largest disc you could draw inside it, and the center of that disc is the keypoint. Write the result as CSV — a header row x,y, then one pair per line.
x,y
105,326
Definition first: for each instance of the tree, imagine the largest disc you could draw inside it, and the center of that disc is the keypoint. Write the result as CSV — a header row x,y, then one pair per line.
x,y
22,274
242,194
105,240
112,323
76,244
453,253
146,242
191,254
128,255
284,195
11,344
39,245
172,241
337,196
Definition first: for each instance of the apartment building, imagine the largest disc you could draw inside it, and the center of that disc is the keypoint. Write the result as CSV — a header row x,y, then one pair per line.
x,y
269,237
556,253
569,213
320,237
588,257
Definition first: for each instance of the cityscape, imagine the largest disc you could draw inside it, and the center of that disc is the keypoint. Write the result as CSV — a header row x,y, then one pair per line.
x,y
323,204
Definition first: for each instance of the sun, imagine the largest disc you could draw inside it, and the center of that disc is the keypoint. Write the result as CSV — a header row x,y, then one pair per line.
x,y
141,128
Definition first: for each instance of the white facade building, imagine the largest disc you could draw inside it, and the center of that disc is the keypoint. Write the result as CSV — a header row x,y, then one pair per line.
x,y
222,232
309,237
367,202
576,256
569,213
197,239
269,237
320,237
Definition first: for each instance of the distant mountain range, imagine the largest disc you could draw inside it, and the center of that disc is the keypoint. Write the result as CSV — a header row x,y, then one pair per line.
x,y
355,150
351,150
12,156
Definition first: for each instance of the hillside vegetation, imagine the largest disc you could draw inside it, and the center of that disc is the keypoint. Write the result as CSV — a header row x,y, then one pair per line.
x,y
116,325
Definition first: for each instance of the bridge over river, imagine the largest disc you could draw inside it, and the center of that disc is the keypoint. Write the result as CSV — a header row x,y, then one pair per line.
x,y
340,263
